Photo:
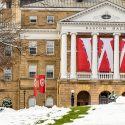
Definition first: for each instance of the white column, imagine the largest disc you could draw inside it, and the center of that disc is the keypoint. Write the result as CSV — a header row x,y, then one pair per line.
x,y
94,56
63,63
116,55
73,56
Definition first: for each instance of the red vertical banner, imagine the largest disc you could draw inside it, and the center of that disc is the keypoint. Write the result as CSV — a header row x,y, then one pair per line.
x,y
122,56
84,54
42,83
105,54
35,85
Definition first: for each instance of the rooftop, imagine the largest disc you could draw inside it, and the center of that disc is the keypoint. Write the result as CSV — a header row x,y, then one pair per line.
x,y
65,3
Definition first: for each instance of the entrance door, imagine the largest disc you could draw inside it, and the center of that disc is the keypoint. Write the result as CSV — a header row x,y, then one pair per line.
x,y
103,97
83,98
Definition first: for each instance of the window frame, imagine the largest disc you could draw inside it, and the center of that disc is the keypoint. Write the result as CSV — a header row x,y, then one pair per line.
x,y
51,67
30,20
10,74
47,47
32,46
10,51
50,21
29,70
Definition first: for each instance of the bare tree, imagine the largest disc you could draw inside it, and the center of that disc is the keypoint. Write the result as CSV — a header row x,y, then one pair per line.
x,y
9,35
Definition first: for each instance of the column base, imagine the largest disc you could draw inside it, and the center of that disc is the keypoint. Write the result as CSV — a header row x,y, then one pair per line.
x,y
63,77
94,77
116,77
73,77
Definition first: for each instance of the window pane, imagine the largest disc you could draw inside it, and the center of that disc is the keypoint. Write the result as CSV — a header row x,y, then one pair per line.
x,y
49,74
8,51
31,74
32,50
33,19
50,47
7,74
50,19
49,50
32,68
50,71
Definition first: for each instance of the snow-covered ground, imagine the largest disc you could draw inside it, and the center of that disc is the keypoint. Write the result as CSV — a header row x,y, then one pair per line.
x,y
110,114
31,115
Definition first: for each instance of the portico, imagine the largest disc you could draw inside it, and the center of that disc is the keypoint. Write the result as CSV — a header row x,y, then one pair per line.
x,y
95,26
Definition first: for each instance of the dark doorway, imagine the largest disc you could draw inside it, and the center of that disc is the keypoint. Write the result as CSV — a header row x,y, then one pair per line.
x,y
123,94
103,97
83,98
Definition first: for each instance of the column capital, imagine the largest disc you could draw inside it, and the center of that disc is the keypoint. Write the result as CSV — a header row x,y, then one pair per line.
x,y
116,34
73,33
94,33
64,33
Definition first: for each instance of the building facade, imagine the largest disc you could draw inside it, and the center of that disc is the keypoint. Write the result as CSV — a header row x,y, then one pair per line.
x,y
78,45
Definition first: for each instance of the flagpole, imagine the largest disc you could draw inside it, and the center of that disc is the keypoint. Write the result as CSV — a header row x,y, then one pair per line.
x,y
45,92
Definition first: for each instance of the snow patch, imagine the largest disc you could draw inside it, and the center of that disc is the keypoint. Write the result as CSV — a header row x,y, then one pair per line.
x,y
120,99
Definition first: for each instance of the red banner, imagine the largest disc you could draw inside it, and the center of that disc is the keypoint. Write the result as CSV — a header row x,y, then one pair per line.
x,y
84,54
105,54
42,83
122,55
35,84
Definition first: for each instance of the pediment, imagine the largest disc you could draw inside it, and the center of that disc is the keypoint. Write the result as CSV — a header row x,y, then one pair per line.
x,y
103,12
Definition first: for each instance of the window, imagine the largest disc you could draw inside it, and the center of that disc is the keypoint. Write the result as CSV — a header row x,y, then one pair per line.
x,y
33,19
50,71
50,19
32,47
49,102
50,47
8,3
32,70
8,51
32,101
7,74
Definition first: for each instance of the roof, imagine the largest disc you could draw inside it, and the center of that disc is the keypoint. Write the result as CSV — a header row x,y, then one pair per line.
x,y
65,3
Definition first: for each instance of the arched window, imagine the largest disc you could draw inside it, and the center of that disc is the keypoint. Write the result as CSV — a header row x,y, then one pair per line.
x,y
49,102
32,101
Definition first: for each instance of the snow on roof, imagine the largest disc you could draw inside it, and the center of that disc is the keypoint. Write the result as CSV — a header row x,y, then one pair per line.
x,y
64,3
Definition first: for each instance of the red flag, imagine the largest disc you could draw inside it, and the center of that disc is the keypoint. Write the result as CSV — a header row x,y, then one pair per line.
x,y
42,83
35,84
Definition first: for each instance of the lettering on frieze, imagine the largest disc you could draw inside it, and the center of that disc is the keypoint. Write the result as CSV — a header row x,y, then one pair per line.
x,y
104,28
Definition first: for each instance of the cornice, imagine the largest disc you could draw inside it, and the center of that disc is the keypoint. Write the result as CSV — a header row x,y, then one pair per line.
x,y
94,23
40,30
